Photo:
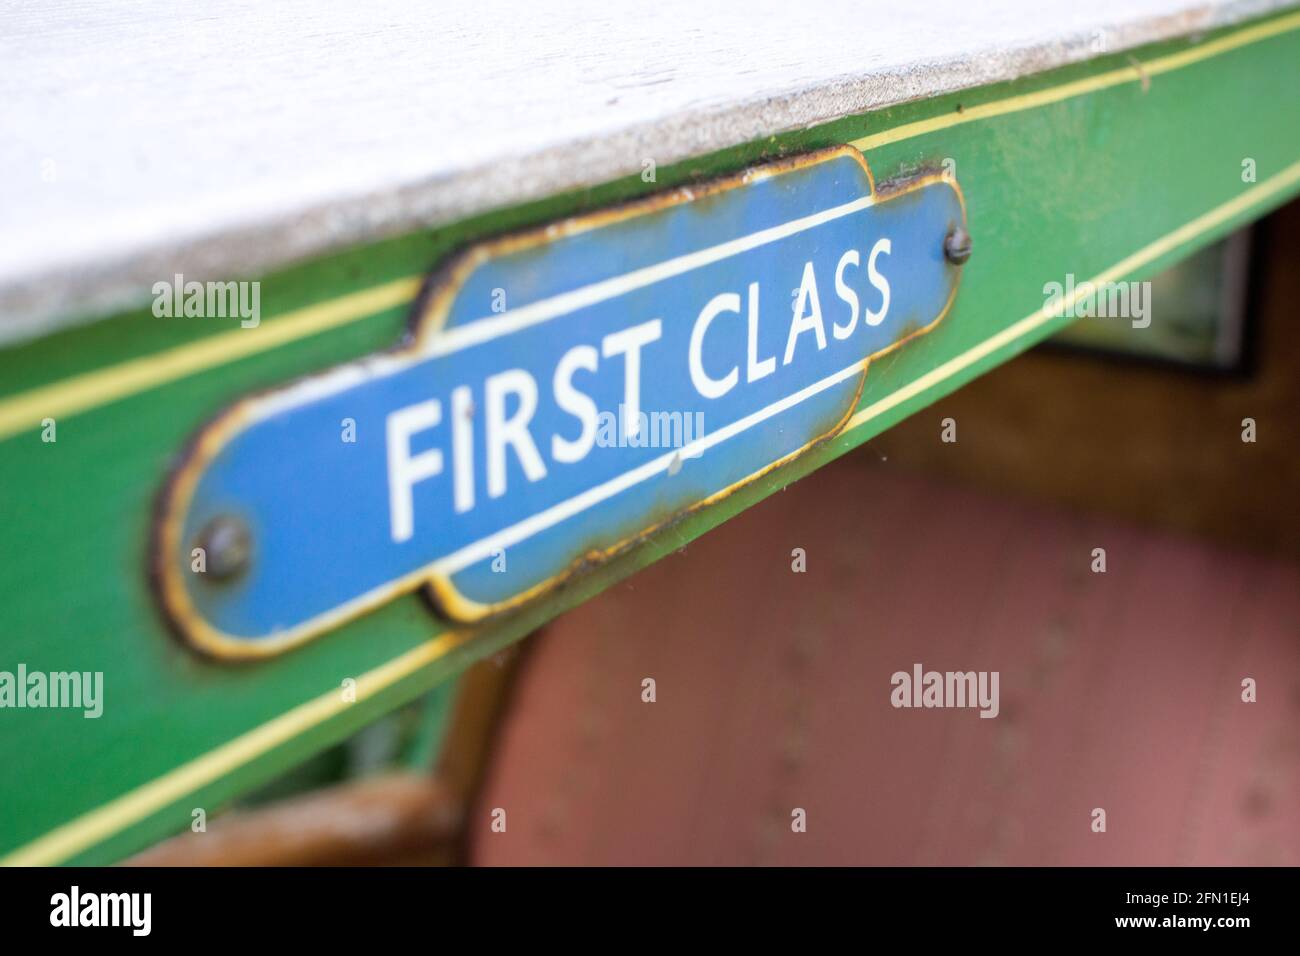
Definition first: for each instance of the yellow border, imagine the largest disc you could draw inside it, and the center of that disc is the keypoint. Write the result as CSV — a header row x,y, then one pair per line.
x,y
430,318
93,827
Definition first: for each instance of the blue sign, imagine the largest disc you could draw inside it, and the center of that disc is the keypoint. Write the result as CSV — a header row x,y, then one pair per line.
x,y
564,393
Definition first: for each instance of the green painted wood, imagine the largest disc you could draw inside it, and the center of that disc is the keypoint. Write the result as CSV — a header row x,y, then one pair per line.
x,y
1073,186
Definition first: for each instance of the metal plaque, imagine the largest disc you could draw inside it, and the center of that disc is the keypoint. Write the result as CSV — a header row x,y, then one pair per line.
x,y
563,393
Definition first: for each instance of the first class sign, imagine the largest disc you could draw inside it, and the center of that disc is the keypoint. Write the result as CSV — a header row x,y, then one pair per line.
x,y
563,394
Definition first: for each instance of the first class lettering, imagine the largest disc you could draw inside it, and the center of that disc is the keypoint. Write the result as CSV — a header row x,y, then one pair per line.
x,y
832,301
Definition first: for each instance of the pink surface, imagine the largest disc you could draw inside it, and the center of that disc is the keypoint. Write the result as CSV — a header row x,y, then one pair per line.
x,y
1118,690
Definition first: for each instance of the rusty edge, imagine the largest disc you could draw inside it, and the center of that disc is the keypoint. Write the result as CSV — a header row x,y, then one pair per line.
x,y
428,317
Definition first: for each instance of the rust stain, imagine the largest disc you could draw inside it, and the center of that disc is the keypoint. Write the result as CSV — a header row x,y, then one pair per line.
x,y
429,316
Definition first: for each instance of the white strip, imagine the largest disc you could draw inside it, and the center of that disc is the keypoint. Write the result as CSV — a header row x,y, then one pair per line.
x,y
543,310
483,549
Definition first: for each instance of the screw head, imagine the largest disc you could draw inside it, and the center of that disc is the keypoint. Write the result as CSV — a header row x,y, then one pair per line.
x,y
957,246
227,545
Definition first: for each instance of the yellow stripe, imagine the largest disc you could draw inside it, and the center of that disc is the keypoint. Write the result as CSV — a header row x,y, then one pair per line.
x,y
83,392
1101,81
85,831
1270,187
91,828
